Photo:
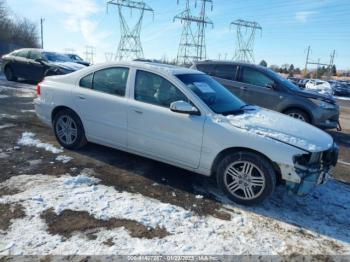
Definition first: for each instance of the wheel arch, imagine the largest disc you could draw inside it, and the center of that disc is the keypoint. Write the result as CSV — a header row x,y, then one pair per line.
x,y
232,150
60,108
301,108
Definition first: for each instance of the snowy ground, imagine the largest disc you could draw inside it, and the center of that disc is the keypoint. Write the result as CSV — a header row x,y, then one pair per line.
x,y
280,226
37,175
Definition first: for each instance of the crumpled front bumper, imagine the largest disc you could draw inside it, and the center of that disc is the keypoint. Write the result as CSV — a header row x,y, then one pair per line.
x,y
308,182
315,175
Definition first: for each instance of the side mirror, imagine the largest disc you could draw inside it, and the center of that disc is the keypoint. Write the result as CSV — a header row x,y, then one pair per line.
x,y
183,107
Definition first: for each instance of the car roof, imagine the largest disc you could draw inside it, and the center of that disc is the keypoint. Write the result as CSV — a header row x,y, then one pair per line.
x,y
165,68
222,62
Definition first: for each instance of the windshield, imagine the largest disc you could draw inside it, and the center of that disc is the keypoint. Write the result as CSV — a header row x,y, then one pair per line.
x,y
56,57
283,80
217,97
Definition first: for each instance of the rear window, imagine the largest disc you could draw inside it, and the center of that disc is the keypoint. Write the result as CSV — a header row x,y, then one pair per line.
x,y
224,71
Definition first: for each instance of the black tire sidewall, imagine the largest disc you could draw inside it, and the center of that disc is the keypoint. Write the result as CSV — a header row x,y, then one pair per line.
x,y
262,163
9,74
81,140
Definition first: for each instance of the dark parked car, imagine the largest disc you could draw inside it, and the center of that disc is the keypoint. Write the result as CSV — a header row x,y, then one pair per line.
x,y
77,59
340,88
263,87
35,64
294,80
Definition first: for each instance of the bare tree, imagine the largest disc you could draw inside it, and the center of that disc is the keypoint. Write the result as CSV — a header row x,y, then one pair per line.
x,y
18,31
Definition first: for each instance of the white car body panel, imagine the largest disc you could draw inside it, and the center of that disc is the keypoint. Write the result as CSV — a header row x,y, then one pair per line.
x,y
187,141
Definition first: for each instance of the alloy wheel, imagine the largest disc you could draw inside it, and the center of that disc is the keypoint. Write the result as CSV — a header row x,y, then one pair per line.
x,y
297,116
66,130
244,180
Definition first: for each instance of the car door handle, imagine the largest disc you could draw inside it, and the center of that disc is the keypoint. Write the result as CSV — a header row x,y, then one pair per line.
x,y
137,111
82,98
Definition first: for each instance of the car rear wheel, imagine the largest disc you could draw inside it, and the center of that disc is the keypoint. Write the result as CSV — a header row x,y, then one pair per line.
x,y
246,178
298,114
9,74
69,130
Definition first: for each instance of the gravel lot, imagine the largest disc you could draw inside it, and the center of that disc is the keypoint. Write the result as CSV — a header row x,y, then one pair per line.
x,y
103,201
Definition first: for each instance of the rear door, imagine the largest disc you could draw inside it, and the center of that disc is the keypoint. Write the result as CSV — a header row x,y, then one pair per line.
x,y
20,64
156,131
258,88
226,74
102,107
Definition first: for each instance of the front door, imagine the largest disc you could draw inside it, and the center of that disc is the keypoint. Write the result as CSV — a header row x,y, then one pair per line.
x,y
101,102
258,89
154,130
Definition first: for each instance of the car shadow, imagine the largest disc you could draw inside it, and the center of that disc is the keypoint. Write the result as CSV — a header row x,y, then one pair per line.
x,y
325,211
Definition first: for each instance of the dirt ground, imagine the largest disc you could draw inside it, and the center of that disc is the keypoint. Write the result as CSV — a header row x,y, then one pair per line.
x,y
123,171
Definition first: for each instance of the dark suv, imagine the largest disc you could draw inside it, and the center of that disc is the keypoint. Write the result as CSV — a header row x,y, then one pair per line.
x,y
263,87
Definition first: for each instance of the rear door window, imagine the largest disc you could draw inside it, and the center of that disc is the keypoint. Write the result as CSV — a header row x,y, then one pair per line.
x,y
253,77
111,80
86,81
23,54
226,72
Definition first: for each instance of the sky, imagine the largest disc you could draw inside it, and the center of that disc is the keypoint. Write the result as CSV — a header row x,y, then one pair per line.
x,y
289,27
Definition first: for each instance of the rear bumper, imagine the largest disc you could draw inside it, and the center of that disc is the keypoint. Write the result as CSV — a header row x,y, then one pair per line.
x,y
43,111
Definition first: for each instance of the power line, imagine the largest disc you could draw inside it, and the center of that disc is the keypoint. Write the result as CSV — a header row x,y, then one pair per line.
x,y
192,45
245,37
130,46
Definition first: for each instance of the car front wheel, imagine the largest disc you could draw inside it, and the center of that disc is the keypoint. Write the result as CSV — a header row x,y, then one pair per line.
x,y
298,114
246,178
69,130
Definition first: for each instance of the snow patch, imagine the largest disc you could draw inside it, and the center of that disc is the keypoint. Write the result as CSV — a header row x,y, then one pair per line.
x,y
257,231
64,159
28,139
259,122
6,126
7,116
3,155
28,111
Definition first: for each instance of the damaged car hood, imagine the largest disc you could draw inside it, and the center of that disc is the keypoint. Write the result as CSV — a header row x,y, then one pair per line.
x,y
282,128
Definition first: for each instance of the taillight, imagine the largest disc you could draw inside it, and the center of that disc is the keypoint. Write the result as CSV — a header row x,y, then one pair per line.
x,y
38,89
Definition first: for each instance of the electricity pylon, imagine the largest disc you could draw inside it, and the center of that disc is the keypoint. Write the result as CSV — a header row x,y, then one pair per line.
x,y
130,43
192,45
246,31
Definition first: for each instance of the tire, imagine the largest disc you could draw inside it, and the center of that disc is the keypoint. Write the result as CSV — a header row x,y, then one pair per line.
x,y
246,178
69,130
298,114
9,74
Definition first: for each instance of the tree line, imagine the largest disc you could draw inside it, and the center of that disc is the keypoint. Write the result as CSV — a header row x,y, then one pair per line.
x,y
291,70
18,31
